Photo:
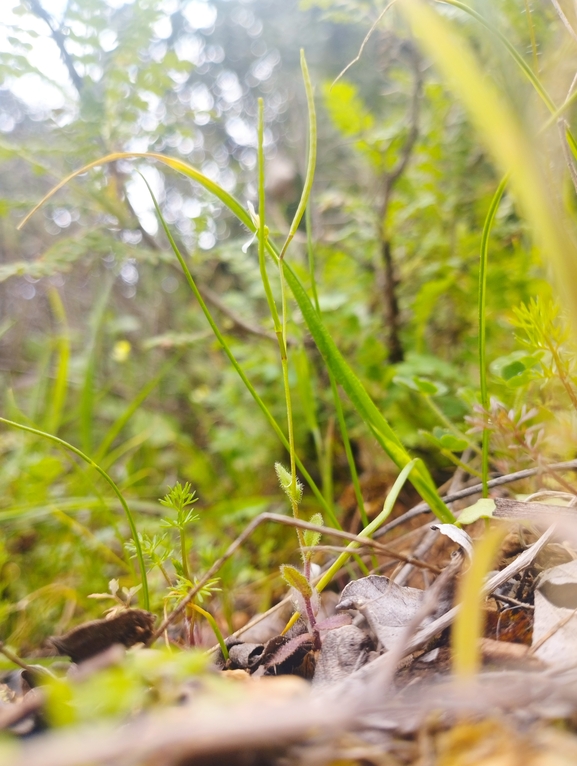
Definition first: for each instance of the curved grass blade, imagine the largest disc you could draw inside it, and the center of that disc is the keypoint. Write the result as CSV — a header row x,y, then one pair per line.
x,y
106,477
123,419
363,403
526,69
488,225
219,336
312,157
227,199
352,386
262,231
372,527
58,394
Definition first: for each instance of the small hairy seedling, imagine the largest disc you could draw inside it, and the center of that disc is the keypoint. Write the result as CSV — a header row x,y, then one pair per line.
x,y
307,595
301,581
155,549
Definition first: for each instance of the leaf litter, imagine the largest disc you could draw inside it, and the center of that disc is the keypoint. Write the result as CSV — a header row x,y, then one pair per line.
x,y
380,688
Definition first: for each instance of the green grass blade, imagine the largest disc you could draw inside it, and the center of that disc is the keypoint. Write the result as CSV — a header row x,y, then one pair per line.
x,y
312,157
372,527
262,230
334,389
488,225
133,406
362,402
221,339
106,477
87,395
349,452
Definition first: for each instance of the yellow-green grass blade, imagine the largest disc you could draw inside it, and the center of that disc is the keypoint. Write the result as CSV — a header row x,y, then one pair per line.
x,y
469,624
132,407
372,527
523,65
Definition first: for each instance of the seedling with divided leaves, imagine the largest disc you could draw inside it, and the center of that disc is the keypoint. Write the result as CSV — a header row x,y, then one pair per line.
x,y
158,550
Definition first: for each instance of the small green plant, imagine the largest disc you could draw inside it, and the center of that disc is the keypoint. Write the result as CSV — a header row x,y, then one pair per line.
x,y
301,581
179,499
546,336
158,550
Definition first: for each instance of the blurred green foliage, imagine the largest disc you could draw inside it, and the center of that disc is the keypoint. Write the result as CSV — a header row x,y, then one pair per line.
x,y
102,344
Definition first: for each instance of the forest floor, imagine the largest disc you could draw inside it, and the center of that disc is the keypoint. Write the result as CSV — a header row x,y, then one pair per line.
x,y
461,655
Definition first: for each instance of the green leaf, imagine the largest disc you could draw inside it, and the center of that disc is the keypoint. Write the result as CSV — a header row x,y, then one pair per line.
x,y
382,431
511,370
296,580
422,385
453,443
293,490
482,509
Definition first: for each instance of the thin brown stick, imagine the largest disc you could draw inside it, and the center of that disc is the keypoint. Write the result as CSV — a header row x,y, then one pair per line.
x,y
58,38
570,465
290,522
565,21
444,621
363,44
14,658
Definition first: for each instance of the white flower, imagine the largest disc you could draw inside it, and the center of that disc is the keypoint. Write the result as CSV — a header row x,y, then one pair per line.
x,y
256,220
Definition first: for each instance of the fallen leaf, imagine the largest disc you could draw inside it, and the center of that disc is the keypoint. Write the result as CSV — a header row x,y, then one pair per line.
x,y
386,606
555,622
344,650
128,627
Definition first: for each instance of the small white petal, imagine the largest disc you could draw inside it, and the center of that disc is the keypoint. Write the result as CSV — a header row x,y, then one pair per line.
x,y
246,246
253,214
